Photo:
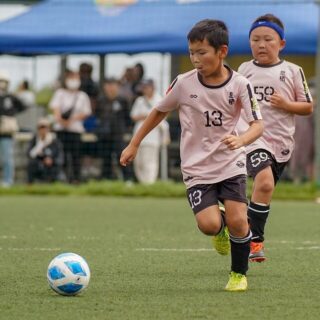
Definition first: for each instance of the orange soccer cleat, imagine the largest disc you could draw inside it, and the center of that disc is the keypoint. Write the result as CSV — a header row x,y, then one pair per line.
x,y
256,252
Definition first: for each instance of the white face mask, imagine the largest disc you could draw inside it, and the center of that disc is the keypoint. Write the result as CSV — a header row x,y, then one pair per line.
x,y
73,84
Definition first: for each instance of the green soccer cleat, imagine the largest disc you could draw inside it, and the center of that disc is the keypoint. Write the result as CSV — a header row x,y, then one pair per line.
x,y
237,282
221,242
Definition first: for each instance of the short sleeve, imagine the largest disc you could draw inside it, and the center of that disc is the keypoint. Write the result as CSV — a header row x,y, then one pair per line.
x,y
240,69
171,101
138,109
84,105
249,102
301,88
55,101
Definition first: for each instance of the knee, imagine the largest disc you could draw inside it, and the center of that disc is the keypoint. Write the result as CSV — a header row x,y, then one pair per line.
x,y
238,226
208,226
266,186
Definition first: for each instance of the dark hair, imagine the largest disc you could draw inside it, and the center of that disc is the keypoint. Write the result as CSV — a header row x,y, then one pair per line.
x,y
139,67
215,31
85,68
25,84
270,18
111,80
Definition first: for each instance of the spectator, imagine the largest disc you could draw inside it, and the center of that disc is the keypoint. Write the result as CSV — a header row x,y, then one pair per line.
x,y
126,83
138,73
88,149
91,88
10,106
113,123
146,163
302,162
88,85
27,119
70,106
45,155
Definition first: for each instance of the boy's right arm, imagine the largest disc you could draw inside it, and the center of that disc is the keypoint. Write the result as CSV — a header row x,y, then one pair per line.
x,y
153,119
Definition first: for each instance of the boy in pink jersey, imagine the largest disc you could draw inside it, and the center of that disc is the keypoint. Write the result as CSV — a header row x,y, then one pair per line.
x,y
209,100
282,91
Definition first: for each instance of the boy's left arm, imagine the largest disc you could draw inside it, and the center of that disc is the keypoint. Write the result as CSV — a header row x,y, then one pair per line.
x,y
302,104
295,107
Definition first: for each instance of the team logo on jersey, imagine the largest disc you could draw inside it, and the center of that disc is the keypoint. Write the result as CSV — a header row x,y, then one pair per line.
x,y
193,96
187,179
231,98
240,164
282,76
285,152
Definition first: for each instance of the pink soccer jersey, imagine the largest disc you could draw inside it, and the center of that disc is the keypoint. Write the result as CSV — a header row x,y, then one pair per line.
x,y
207,114
287,79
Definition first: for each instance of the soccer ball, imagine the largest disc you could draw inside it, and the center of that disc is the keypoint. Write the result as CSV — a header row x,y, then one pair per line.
x,y
68,274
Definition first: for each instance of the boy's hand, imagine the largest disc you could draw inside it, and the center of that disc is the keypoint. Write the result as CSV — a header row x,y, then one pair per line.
x,y
233,142
128,155
278,101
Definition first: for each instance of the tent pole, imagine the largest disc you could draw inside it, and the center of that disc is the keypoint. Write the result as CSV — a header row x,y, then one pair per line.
x,y
63,66
34,73
102,66
317,108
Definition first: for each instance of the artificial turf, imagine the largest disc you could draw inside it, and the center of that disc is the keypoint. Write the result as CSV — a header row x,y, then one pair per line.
x,y
149,261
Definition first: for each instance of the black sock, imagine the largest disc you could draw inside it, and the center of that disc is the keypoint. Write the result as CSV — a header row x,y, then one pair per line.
x,y
240,249
258,215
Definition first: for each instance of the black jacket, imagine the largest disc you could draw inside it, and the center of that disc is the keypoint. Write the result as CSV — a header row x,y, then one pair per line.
x,y
53,151
10,105
113,118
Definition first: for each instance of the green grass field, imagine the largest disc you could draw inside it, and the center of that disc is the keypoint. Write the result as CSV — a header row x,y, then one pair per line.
x,y
149,261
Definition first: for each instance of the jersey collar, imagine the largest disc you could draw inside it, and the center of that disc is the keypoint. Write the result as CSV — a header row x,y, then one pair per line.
x,y
220,85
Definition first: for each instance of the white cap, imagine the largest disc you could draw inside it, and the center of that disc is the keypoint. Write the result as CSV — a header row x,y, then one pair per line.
x,y
43,122
4,76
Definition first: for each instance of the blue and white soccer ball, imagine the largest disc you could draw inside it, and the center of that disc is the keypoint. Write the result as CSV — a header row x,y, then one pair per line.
x,y
68,274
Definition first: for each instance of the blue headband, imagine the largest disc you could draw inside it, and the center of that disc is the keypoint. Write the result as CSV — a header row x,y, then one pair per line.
x,y
268,24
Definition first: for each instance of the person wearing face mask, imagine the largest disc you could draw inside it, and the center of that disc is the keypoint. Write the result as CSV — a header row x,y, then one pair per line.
x,y
70,107
10,106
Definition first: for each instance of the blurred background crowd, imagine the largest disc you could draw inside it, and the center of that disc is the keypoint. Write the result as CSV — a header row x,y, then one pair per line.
x,y
80,133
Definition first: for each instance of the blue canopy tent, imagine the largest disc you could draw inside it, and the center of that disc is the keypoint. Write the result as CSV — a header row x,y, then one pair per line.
x,y
102,26
135,26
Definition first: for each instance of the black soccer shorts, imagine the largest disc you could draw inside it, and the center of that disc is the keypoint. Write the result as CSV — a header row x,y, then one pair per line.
x,y
260,159
202,196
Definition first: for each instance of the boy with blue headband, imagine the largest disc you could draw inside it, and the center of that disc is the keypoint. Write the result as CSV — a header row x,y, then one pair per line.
x,y
281,90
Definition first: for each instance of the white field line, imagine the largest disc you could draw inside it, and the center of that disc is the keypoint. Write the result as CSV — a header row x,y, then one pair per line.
x,y
32,249
83,238
174,249
210,250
